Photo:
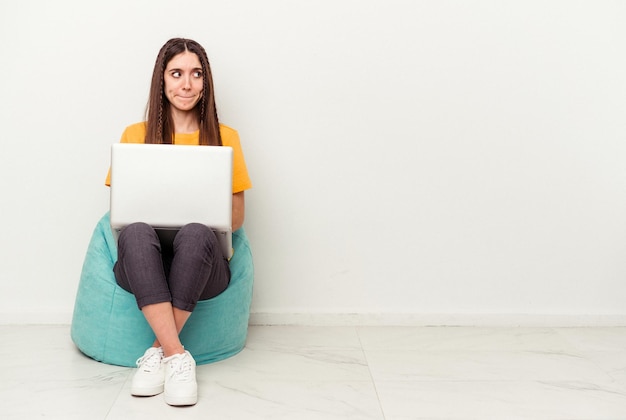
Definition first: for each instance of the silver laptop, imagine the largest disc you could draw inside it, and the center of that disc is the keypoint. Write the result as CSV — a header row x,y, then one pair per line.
x,y
169,186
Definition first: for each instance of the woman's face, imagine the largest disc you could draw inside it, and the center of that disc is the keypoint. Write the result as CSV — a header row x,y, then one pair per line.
x,y
183,81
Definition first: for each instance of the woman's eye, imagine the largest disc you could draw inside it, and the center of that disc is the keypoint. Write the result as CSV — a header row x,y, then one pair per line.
x,y
176,74
197,74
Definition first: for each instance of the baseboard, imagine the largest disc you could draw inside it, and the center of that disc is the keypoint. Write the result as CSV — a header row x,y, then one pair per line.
x,y
425,320
380,319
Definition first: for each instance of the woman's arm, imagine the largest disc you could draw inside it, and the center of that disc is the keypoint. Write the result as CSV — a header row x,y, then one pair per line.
x,y
239,207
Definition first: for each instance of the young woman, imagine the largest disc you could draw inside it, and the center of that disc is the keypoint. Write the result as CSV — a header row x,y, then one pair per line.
x,y
168,279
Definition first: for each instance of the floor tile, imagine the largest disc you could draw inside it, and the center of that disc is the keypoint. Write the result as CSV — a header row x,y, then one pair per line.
x,y
597,339
303,338
463,339
294,400
49,378
613,363
280,365
399,365
500,400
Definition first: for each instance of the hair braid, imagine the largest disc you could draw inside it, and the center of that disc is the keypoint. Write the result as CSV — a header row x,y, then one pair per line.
x,y
159,130
203,102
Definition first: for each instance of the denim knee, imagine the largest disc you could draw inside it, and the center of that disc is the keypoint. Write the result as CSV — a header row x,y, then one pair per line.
x,y
136,233
195,235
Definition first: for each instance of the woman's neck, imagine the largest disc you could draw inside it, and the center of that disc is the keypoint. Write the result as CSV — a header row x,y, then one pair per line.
x,y
185,122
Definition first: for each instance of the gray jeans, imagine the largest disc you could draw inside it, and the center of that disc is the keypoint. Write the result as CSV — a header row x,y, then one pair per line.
x,y
183,268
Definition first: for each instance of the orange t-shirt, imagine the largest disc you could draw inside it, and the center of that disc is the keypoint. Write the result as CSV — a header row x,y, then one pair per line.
x,y
136,133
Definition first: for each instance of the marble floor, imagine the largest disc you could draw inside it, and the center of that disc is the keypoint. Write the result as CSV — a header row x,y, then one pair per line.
x,y
339,373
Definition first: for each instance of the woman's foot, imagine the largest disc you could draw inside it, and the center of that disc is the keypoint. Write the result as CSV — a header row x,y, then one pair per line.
x,y
181,387
149,378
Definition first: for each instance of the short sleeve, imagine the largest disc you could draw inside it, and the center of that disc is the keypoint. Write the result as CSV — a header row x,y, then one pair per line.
x,y
241,179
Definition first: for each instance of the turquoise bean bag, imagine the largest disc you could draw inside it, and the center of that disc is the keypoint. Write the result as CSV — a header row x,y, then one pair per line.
x,y
107,325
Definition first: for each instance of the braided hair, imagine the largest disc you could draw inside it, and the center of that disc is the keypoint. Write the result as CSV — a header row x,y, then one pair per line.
x,y
160,126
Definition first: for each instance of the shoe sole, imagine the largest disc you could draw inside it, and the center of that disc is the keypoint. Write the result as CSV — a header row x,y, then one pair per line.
x,y
181,401
147,392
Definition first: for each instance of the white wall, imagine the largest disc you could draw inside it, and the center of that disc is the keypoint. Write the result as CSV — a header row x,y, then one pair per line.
x,y
413,161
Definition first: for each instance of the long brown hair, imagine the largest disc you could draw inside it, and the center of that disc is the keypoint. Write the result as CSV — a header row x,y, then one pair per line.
x,y
160,127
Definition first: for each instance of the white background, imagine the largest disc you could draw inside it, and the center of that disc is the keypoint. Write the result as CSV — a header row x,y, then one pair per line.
x,y
413,161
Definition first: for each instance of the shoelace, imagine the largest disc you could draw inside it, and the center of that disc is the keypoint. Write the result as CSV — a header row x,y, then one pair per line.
x,y
181,368
150,361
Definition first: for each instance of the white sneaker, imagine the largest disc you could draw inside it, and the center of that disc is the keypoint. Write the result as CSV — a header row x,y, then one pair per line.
x,y
181,387
150,376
